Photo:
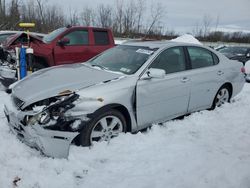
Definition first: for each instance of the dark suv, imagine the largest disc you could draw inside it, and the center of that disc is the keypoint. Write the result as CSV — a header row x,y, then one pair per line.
x,y
241,54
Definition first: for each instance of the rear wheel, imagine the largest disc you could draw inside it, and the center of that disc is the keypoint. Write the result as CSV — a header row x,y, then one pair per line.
x,y
104,127
221,97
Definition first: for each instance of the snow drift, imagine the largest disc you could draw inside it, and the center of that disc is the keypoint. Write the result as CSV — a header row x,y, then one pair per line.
x,y
187,38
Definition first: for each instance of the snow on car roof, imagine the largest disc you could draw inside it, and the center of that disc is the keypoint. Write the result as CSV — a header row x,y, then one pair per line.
x,y
158,44
187,38
183,40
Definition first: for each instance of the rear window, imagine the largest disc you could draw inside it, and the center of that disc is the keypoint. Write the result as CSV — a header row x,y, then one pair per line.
x,y
201,57
101,37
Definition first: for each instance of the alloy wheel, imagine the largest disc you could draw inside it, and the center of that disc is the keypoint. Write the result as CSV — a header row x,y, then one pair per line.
x,y
222,97
106,128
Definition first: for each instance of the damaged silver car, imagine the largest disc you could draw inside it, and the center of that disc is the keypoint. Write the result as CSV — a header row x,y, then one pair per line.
x,y
124,89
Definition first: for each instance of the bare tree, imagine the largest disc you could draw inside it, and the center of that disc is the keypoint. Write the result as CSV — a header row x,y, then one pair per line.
x,y
197,30
141,6
129,18
217,22
41,9
2,8
207,20
2,14
87,16
104,15
157,12
14,18
119,14
73,17
54,18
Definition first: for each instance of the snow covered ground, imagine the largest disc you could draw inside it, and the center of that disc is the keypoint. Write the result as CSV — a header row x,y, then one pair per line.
x,y
204,150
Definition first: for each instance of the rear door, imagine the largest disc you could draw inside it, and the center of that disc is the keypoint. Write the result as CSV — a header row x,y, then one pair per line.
x,y
77,50
102,41
206,77
159,99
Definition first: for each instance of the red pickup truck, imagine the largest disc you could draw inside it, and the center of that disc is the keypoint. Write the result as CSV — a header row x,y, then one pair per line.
x,y
65,45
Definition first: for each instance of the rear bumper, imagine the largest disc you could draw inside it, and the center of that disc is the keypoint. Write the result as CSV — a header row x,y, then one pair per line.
x,y
51,143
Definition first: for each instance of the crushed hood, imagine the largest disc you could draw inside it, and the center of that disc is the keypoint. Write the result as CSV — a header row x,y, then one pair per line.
x,y
51,81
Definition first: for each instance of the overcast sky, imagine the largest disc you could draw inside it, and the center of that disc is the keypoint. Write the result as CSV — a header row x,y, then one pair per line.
x,y
183,15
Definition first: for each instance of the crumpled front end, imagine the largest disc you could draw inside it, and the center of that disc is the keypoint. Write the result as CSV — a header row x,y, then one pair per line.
x,y
48,127
8,70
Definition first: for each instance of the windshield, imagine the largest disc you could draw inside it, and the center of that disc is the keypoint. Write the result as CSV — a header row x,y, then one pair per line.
x,y
234,50
124,59
51,36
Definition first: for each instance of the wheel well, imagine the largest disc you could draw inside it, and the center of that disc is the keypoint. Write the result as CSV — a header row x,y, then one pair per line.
x,y
230,88
41,60
125,112
122,109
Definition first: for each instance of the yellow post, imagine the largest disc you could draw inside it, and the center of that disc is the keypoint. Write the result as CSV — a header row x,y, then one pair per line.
x,y
27,26
29,51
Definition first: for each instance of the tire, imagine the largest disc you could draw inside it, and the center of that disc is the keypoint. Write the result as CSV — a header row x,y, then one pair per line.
x,y
103,127
222,96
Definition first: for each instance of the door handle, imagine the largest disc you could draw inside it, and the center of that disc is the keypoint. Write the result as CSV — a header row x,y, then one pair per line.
x,y
185,79
220,72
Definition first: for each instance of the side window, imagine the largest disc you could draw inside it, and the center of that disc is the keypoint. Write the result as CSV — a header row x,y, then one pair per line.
x,y
79,37
101,37
200,57
171,60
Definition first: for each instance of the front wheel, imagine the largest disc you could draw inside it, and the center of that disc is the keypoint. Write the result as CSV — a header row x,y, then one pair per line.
x,y
103,128
221,97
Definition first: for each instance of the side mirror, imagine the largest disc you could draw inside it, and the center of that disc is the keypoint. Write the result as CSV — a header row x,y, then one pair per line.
x,y
156,73
63,41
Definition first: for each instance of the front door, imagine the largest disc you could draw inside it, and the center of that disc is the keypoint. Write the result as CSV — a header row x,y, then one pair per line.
x,y
77,50
160,99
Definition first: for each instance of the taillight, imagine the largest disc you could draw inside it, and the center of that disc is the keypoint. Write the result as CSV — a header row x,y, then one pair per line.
x,y
243,70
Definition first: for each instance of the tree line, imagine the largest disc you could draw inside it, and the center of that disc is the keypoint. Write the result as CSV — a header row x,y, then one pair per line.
x,y
126,18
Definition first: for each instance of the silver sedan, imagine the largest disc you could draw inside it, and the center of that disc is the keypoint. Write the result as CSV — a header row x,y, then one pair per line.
x,y
124,89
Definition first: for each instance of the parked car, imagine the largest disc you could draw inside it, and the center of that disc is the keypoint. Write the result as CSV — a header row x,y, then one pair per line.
x,y
241,54
247,71
124,89
11,39
65,45
5,34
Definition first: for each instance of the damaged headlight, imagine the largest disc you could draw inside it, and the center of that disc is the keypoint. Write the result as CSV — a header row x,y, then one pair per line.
x,y
41,118
53,112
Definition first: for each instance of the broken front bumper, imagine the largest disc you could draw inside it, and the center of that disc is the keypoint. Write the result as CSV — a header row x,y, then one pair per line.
x,y
51,143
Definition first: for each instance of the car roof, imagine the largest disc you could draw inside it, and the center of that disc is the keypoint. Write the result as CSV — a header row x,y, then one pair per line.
x,y
235,47
158,44
85,27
